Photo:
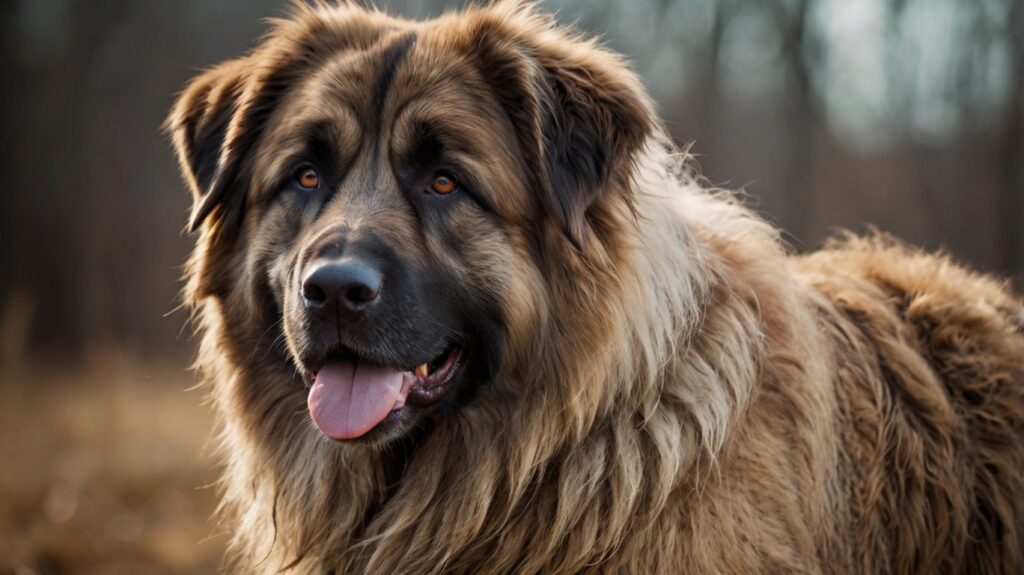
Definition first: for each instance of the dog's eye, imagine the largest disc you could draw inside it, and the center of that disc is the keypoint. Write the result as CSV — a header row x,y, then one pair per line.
x,y
443,184
307,178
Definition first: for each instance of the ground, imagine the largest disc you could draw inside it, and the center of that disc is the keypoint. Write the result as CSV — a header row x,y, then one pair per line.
x,y
105,469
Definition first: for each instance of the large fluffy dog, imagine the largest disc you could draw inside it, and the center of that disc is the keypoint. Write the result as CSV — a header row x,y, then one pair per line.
x,y
465,310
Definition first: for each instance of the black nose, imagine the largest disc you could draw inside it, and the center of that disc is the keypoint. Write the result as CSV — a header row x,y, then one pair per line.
x,y
342,289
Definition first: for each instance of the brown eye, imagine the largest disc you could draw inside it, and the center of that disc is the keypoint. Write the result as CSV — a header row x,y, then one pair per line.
x,y
308,178
443,184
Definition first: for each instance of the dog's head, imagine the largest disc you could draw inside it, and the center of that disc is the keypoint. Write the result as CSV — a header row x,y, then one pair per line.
x,y
392,200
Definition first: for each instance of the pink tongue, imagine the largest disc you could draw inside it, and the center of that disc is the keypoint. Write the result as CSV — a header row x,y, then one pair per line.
x,y
349,399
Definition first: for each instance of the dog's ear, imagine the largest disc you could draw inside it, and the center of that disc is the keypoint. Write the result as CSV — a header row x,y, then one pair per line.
x,y
580,113
220,115
218,118
198,125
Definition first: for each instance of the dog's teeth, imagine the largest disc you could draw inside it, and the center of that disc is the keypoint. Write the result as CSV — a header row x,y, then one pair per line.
x,y
421,371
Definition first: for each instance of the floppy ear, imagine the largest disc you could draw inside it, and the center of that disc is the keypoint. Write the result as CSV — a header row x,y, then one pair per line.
x,y
198,125
580,113
217,119
220,115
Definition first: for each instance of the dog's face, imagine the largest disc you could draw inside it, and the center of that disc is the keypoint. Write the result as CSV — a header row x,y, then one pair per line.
x,y
390,186
386,197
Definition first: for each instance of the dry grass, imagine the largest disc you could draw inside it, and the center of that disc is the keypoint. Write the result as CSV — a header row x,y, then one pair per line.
x,y
106,469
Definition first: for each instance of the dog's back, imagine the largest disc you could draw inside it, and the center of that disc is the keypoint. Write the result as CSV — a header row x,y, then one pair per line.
x,y
930,392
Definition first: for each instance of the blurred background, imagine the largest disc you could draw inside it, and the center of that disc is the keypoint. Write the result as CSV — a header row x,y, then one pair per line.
x,y
903,114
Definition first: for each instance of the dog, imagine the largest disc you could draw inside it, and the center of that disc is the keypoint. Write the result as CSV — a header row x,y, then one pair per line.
x,y
465,309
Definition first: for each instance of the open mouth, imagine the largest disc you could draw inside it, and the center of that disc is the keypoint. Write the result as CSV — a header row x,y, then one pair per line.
x,y
351,396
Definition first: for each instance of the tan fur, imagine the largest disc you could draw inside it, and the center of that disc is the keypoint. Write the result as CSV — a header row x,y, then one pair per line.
x,y
679,395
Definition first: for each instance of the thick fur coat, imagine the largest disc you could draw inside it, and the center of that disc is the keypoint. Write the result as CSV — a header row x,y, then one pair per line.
x,y
672,391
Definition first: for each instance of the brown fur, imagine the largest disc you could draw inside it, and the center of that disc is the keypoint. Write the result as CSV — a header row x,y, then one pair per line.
x,y
676,393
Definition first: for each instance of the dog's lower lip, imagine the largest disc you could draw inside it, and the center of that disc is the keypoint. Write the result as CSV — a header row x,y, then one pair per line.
x,y
444,371
432,388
